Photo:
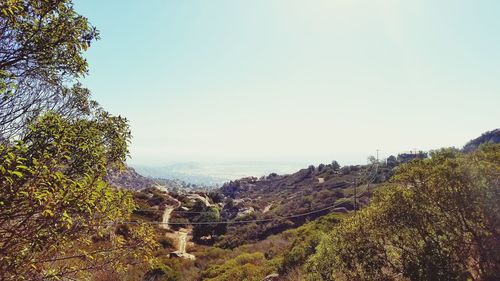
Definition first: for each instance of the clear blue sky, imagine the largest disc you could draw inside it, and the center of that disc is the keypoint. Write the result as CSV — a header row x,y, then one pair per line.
x,y
269,80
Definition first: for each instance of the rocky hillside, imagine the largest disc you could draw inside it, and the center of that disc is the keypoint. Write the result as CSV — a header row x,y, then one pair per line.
x,y
287,201
128,178
488,137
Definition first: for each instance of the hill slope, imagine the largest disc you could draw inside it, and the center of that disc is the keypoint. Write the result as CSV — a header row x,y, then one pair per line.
x,y
488,137
280,202
128,178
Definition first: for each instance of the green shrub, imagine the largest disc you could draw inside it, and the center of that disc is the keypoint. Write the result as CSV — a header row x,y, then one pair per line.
x,y
439,219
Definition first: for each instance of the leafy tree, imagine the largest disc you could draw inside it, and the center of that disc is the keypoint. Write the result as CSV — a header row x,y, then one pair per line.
x,y
321,167
371,159
58,217
43,40
439,219
41,45
28,102
210,215
392,161
53,197
335,165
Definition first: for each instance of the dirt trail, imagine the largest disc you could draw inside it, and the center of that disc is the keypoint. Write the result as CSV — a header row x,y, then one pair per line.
x,y
267,208
182,241
166,217
180,236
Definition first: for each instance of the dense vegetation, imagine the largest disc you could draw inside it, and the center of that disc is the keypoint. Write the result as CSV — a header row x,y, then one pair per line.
x,y
438,219
58,217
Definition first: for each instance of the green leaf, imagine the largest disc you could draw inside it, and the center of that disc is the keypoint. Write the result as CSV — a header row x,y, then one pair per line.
x,y
17,173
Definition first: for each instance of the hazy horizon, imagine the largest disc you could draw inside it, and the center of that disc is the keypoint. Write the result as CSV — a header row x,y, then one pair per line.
x,y
221,171
210,173
295,81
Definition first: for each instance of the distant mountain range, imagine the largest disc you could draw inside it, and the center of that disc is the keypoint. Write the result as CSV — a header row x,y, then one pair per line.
x,y
215,174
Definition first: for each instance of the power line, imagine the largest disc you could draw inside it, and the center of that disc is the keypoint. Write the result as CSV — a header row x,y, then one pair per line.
x,y
192,223
364,174
370,179
237,222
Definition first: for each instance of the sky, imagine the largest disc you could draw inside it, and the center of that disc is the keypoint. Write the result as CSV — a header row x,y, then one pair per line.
x,y
295,81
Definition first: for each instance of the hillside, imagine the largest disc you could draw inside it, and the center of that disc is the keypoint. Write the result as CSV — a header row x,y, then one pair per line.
x,y
488,137
275,203
260,207
292,248
128,178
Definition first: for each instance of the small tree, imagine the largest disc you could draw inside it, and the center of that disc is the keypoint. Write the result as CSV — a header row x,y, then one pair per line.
x,y
209,225
335,165
321,167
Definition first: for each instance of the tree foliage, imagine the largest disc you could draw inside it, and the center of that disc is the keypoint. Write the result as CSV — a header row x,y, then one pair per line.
x,y
248,266
439,219
58,216
43,40
208,215
53,197
41,45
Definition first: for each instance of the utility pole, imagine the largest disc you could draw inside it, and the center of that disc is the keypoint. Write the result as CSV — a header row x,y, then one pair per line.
x,y
377,155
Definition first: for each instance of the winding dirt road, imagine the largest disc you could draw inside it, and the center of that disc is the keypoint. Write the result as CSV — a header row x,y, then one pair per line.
x,y
166,217
180,236
182,241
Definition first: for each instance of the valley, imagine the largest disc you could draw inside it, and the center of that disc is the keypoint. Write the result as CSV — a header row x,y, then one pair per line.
x,y
230,225
180,147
